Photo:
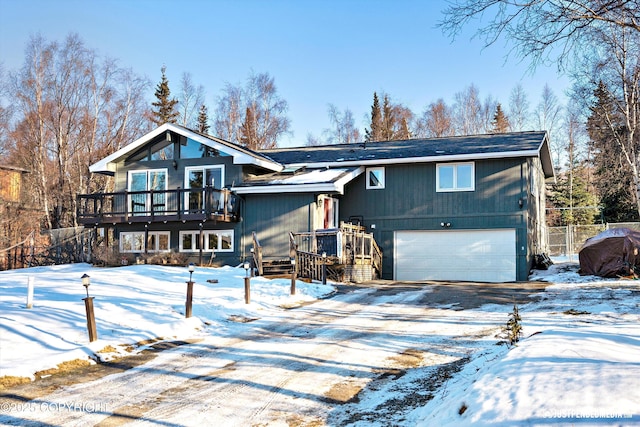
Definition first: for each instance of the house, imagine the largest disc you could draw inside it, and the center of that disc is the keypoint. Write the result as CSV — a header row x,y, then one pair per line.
x,y
453,208
15,225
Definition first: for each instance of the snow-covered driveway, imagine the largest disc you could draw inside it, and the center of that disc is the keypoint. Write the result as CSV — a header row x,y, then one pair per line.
x,y
368,354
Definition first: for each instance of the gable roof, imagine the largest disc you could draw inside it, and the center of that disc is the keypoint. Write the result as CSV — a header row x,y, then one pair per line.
x,y
454,148
241,155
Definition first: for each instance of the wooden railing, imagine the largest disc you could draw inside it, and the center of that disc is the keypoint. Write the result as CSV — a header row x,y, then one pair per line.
x,y
347,245
310,265
165,205
257,255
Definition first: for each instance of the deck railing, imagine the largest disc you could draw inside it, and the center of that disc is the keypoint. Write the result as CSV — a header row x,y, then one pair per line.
x,y
257,254
347,245
158,205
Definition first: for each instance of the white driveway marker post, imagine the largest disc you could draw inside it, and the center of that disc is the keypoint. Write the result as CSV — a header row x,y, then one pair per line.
x,y
30,292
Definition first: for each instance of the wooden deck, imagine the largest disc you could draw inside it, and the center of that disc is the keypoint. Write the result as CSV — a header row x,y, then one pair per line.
x,y
346,253
151,206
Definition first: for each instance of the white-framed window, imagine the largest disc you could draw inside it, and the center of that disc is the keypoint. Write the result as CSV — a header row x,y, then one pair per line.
x,y
455,177
198,177
375,178
146,180
214,240
133,241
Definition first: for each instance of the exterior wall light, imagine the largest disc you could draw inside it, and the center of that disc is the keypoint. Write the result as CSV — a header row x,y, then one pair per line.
x,y
189,302
247,283
86,281
88,305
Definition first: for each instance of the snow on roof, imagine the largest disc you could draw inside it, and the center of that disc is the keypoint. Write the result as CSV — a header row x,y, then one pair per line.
x,y
320,179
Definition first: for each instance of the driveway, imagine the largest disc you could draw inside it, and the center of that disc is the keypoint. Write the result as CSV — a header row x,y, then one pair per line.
x,y
371,354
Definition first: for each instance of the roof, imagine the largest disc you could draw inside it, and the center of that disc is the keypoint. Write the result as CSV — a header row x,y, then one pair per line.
x,y
322,180
241,155
454,148
14,169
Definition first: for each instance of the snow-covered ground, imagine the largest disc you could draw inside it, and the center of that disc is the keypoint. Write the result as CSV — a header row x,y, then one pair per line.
x,y
131,304
578,362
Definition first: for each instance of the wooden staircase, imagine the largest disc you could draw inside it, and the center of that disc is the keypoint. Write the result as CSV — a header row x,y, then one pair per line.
x,y
277,268
344,254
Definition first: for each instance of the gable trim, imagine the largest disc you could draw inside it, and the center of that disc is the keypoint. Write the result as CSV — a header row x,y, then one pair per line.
x,y
240,155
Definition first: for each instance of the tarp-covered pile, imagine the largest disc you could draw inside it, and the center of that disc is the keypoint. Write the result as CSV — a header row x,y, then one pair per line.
x,y
612,253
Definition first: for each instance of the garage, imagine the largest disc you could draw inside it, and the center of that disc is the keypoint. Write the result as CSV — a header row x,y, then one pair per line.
x,y
469,255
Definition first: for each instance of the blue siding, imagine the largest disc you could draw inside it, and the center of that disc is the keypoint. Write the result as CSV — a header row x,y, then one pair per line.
x,y
409,201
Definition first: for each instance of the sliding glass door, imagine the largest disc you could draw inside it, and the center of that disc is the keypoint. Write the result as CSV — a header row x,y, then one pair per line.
x,y
147,180
197,179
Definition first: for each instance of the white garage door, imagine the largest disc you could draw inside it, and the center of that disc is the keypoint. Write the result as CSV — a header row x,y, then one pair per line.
x,y
472,255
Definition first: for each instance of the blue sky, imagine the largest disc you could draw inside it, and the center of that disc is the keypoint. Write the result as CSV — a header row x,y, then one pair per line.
x,y
319,52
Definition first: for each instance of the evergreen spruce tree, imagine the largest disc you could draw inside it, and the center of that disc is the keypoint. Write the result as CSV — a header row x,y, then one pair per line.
x,y
164,108
388,120
248,131
500,122
570,193
613,178
203,120
405,133
374,133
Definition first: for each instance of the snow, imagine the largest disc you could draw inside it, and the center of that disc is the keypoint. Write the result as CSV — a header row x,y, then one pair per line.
x,y
131,304
312,177
577,363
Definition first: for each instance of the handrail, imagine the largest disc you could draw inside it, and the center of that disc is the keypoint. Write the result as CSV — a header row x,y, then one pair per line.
x,y
310,265
138,205
257,254
353,246
293,253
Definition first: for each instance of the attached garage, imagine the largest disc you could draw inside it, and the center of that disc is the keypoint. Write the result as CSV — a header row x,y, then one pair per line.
x,y
467,255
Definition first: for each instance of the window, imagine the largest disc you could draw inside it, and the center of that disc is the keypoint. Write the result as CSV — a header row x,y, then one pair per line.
x,y
161,151
143,181
455,177
157,241
197,178
195,150
375,178
214,240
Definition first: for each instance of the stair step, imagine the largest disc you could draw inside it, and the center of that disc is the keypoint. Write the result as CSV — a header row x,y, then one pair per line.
x,y
277,267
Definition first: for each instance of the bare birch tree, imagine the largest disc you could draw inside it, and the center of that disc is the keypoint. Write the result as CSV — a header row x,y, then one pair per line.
x,y
268,110
343,129
467,112
71,108
542,29
228,115
436,121
190,98
518,109
548,115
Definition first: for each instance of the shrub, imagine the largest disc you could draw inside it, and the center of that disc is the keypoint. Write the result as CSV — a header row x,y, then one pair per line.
x,y
513,329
